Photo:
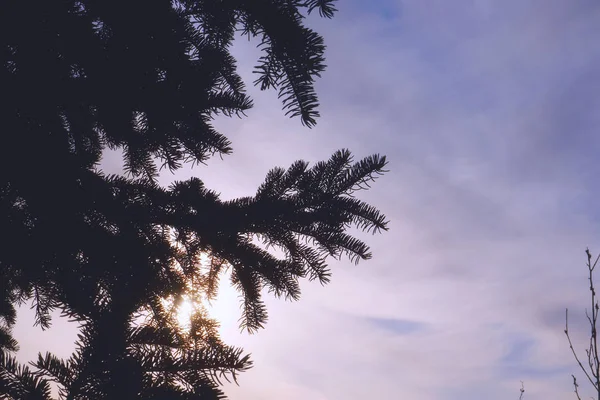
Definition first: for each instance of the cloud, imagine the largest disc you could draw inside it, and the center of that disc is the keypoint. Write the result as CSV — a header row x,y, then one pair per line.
x,y
490,132
397,326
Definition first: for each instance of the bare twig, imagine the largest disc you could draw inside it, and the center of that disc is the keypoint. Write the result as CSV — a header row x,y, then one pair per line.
x,y
593,373
576,386
573,349
522,391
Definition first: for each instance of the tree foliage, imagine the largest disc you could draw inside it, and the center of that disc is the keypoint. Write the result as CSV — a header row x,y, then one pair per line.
x,y
148,77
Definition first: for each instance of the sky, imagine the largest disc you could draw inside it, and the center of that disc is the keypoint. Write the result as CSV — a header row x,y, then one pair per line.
x,y
488,113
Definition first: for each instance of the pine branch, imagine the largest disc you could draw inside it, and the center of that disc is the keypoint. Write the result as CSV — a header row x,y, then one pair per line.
x,y
7,341
18,382
88,82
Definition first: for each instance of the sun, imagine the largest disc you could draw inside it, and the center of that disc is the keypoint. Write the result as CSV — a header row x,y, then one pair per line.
x,y
184,313
218,308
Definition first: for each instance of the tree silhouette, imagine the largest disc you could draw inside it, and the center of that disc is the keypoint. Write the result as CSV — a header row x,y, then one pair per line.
x,y
108,251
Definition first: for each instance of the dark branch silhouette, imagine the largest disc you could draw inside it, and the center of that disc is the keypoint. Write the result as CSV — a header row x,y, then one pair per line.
x,y
117,254
592,370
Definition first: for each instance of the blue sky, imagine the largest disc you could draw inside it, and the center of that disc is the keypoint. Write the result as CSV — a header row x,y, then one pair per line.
x,y
488,112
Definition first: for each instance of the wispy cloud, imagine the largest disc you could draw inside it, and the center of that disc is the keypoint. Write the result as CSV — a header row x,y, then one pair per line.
x,y
488,114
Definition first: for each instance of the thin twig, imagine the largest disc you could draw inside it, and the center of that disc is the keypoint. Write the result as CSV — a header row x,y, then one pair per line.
x,y
522,391
594,337
573,349
576,386
593,375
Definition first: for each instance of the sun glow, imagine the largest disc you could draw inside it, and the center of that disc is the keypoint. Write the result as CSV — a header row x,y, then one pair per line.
x,y
222,309
185,312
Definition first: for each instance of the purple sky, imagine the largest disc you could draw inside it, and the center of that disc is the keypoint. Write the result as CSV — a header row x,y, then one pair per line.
x,y
488,112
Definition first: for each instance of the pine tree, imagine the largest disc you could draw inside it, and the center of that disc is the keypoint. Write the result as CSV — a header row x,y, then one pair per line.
x,y
147,77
